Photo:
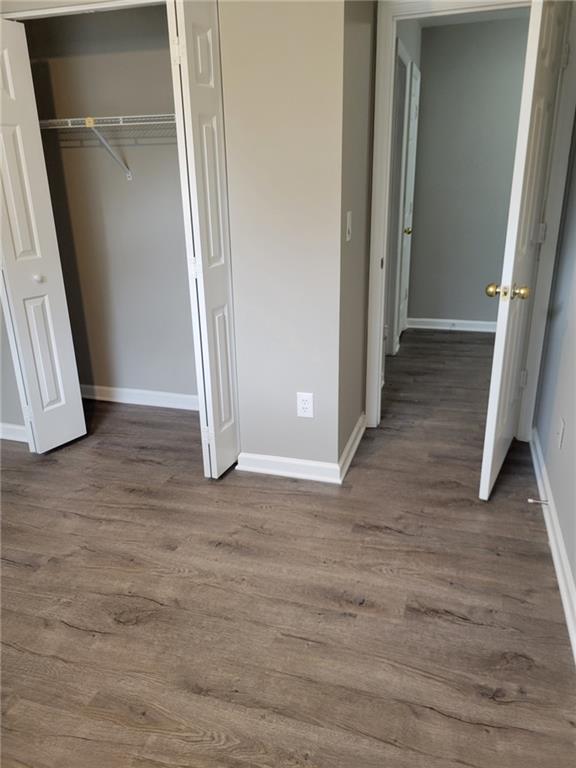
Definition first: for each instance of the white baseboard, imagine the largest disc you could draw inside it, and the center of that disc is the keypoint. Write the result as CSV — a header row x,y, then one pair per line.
x,y
283,466
302,469
433,323
140,397
15,432
566,579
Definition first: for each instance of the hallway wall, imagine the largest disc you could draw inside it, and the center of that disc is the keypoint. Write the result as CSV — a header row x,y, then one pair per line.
x,y
283,97
469,105
557,387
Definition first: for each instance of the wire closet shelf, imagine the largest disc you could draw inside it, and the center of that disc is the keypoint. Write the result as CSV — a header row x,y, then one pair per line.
x,y
117,127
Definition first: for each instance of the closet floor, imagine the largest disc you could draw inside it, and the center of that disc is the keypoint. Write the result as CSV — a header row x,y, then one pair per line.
x,y
152,619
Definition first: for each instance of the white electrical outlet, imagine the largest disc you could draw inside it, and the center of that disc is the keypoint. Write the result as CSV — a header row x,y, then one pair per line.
x,y
305,405
348,226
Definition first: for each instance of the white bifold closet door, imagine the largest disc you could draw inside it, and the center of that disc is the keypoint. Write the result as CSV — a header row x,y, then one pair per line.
x,y
195,49
32,288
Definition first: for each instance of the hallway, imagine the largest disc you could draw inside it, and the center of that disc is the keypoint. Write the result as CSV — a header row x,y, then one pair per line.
x,y
153,619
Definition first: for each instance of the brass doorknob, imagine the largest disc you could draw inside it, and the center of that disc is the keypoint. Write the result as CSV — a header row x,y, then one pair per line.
x,y
493,290
407,230
521,293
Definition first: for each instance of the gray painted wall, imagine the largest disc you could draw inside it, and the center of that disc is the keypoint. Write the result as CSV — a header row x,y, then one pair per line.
x,y
357,130
121,243
283,109
557,388
469,105
10,410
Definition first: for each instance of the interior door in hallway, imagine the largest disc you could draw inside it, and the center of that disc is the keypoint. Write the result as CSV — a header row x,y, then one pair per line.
x,y
542,71
32,287
408,201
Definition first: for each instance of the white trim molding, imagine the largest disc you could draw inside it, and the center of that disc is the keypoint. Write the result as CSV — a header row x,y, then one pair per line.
x,y
16,432
566,580
48,10
283,466
303,469
441,324
140,397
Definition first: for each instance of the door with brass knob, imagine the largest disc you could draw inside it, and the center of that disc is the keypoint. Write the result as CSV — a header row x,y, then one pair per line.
x,y
506,402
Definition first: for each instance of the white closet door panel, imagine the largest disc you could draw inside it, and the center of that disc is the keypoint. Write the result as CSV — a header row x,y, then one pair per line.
x,y
33,297
199,112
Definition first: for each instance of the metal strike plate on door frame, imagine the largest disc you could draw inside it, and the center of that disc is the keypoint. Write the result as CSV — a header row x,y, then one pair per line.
x,y
493,289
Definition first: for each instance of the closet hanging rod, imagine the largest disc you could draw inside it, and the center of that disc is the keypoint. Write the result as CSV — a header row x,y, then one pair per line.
x,y
62,123
94,123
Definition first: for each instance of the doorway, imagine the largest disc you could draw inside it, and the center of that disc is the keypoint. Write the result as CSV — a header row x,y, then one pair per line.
x,y
516,243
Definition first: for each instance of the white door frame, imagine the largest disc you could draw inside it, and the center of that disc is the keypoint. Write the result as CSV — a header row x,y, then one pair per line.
x,y
196,307
390,12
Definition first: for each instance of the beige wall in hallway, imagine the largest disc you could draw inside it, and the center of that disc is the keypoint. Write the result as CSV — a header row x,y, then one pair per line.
x,y
283,111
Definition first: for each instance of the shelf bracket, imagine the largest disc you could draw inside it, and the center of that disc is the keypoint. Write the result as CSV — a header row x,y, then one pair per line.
x,y
90,124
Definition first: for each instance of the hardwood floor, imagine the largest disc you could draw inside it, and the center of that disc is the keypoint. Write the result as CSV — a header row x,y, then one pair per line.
x,y
152,619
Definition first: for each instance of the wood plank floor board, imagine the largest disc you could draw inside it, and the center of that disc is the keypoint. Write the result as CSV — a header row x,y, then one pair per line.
x,y
153,619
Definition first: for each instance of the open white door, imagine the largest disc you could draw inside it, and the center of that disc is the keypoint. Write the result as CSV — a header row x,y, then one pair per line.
x,y
544,55
195,48
33,296
408,202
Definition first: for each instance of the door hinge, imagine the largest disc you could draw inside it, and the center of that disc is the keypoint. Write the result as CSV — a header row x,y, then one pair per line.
x,y
177,51
523,378
207,435
193,268
541,232
566,55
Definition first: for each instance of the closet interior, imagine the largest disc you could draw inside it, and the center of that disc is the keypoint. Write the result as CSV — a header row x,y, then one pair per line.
x,y
103,88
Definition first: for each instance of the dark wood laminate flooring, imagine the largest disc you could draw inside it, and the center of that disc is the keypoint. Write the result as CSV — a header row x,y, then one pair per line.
x,y
152,619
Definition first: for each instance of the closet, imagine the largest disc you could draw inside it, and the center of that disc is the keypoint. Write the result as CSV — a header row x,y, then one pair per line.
x,y
103,87
115,218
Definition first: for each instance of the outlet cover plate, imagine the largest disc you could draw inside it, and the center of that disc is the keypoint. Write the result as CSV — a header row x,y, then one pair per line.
x,y
305,405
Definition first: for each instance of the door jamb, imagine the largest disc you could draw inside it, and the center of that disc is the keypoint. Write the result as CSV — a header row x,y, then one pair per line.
x,y
114,5
390,12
